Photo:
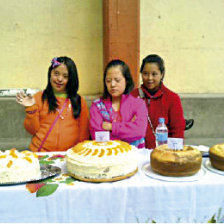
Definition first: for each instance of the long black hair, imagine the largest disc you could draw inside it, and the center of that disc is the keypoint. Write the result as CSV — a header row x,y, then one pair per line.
x,y
71,87
125,72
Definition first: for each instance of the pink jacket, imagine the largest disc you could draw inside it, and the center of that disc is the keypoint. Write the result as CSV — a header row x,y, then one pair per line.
x,y
126,130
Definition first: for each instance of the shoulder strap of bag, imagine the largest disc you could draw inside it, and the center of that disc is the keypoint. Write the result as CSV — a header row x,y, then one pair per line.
x,y
54,122
142,95
103,110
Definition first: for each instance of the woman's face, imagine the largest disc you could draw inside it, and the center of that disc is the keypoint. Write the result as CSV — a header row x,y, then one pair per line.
x,y
115,82
151,76
59,78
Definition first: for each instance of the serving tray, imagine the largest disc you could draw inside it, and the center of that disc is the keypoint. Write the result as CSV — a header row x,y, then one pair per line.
x,y
46,172
147,170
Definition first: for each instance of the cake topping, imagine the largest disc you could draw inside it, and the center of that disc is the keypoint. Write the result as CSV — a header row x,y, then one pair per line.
x,y
109,153
102,153
101,148
9,163
102,161
88,152
18,166
95,152
28,159
13,154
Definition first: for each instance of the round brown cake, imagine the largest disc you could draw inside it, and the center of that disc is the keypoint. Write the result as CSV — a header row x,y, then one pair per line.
x,y
169,162
216,154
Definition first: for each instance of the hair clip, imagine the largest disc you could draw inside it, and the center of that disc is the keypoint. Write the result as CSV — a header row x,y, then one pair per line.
x,y
55,62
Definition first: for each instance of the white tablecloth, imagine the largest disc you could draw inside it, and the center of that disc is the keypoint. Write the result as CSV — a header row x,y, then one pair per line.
x,y
136,199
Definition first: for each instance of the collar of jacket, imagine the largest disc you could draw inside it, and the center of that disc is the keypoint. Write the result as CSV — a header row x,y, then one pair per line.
x,y
109,101
158,94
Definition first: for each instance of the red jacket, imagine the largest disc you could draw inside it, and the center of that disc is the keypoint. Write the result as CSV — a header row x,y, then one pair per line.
x,y
167,104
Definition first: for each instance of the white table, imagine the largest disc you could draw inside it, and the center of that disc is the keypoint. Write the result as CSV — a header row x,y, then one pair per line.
x,y
137,199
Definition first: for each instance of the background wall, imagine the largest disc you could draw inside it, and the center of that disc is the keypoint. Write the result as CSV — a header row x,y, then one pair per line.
x,y
34,31
189,35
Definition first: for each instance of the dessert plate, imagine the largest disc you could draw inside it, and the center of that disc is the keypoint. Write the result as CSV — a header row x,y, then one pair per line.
x,y
208,165
146,168
46,172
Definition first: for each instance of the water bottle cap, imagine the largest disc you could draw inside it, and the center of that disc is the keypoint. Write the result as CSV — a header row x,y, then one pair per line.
x,y
161,120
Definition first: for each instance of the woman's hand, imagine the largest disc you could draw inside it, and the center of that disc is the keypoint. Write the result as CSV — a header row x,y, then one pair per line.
x,y
107,126
25,100
133,119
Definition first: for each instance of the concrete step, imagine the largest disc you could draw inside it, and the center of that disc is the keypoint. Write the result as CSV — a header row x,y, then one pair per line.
x,y
207,110
203,141
19,143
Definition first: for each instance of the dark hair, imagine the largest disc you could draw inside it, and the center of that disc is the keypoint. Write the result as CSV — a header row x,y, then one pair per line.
x,y
125,72
71,87
153,58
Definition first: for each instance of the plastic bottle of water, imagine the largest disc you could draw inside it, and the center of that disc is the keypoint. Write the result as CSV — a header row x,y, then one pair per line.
x,y
161,132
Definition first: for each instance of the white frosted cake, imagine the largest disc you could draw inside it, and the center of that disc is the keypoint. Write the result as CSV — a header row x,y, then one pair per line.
x,y
102,161
18,166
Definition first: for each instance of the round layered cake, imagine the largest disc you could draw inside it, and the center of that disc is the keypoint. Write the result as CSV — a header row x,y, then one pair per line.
x,y
169,162
102,161
18,166
216,154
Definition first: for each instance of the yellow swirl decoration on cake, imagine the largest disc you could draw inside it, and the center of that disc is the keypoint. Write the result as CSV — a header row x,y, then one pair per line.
x,y
102,153
28,159
9,163
12,153
95,152
109,153
80,152
115,151
101,149
88,152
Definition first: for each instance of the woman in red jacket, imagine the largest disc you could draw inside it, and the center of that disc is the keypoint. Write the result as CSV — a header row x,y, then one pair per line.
x,y
161,101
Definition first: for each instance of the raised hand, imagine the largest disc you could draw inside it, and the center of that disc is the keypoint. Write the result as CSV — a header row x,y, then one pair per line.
x,y
25,100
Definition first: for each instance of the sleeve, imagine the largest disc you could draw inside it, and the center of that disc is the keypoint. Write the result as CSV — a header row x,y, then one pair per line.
x,y
176,118
96,120
84,121
32,121
133,129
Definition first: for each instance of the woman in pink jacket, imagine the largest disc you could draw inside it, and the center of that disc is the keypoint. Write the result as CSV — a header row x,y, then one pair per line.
x,y
118,112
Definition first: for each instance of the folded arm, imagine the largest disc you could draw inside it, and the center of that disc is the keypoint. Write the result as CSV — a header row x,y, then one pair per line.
x,y
136,127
